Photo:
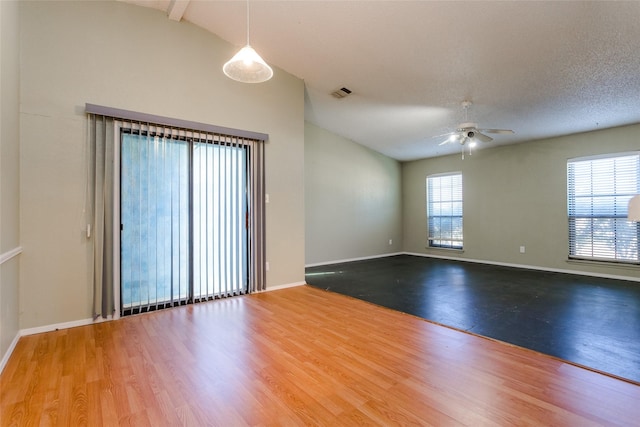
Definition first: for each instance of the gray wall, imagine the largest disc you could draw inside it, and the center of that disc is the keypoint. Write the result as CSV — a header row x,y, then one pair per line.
x,y
352,199
9,173
134,58
514,196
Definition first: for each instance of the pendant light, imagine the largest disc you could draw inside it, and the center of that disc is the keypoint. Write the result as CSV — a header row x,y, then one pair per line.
x,y
247,66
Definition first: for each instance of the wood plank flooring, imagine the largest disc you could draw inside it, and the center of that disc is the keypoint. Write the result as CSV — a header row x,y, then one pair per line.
x,y
589,321
298,356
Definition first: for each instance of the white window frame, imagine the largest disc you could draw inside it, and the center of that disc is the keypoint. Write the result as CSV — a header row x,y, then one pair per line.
x,y
449,237
597,200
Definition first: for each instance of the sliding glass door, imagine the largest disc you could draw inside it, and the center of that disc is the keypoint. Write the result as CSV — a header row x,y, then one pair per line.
x,y
183,220
219,220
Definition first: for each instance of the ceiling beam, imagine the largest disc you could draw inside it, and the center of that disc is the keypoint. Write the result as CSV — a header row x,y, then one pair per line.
x,y
176,9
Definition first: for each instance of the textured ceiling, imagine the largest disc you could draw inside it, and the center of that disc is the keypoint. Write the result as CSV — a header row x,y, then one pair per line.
x,y
542,69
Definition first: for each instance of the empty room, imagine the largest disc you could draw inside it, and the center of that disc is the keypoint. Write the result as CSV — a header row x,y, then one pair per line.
x,y
332,213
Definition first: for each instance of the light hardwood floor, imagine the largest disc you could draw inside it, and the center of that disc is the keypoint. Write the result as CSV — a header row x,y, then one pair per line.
x,y
298,356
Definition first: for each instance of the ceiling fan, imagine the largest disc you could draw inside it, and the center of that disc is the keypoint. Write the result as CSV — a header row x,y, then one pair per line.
x,y
468,132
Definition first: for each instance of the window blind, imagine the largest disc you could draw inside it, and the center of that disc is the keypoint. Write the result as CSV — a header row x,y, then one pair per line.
x,y
598,193
444,211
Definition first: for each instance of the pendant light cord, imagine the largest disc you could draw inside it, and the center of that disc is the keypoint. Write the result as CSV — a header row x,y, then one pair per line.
x,y
247,22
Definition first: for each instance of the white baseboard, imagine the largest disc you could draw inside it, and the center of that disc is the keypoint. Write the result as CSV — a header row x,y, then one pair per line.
x,y
529,267
55,327
64,325
9,351
364,258
285,286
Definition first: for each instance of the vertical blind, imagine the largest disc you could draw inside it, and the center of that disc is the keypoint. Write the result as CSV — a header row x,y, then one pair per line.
x,y
191,211
154,217
220,219
100,211
444,211
598,193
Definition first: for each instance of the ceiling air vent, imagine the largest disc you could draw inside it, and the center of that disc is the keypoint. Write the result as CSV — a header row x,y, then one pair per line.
x,y
341,93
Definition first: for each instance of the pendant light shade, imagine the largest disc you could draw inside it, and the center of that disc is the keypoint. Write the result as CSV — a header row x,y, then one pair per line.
x,y
247,66
633,213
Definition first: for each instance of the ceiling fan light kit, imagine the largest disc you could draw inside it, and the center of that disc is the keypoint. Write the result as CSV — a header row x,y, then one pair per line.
x,y
468,132
247,66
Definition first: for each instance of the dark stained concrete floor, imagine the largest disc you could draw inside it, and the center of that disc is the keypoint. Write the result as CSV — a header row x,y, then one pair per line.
x,y
590,321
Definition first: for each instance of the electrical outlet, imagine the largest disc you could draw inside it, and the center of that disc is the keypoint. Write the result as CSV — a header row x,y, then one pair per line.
x,y
391,241
266,265
521,249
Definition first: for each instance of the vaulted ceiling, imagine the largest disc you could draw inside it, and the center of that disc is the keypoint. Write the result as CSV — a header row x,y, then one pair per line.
x,y
543,69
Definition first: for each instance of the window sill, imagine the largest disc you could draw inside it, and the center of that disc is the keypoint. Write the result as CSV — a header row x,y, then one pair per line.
x,y
610,264
431,248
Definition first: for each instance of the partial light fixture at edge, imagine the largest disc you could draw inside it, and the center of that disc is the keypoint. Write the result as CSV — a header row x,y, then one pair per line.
x,y
633,214
247,66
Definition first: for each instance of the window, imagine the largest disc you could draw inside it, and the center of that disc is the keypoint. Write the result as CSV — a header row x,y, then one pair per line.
x,y
598,190
444,211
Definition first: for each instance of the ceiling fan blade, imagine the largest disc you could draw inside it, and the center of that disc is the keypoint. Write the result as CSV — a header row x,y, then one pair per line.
x,y
444,134
503,131
453,137
482,137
